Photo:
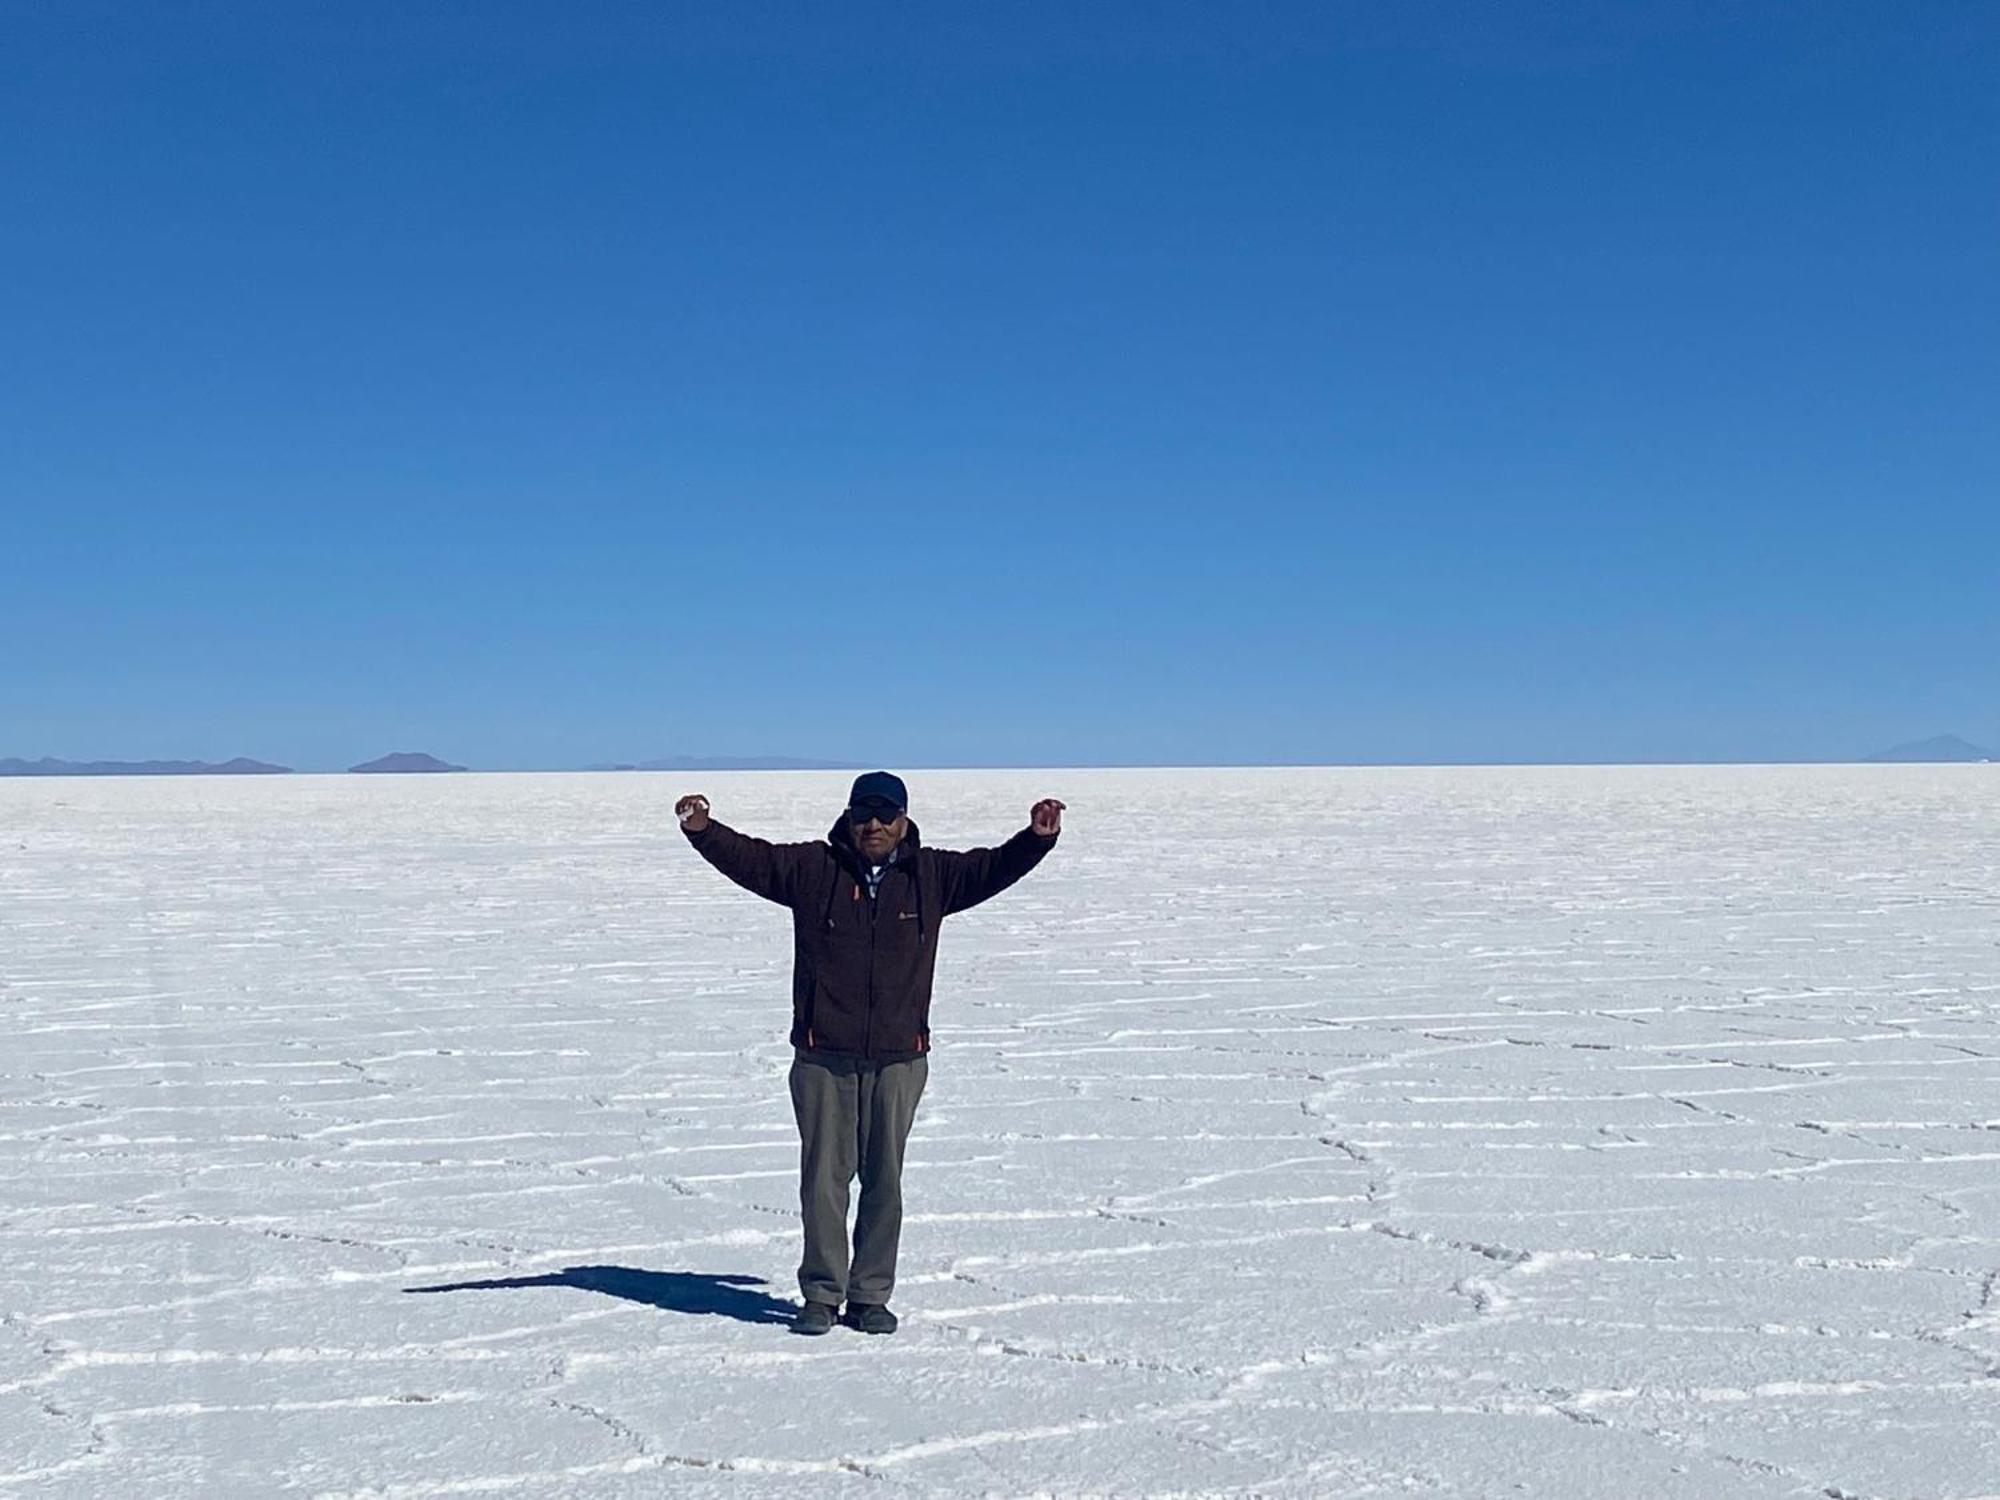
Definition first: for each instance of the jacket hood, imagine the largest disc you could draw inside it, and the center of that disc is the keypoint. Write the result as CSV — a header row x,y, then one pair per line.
x,y
905,857
842,839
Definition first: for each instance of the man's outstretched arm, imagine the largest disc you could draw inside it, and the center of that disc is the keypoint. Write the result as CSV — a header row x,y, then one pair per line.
x,y
764,869
974,875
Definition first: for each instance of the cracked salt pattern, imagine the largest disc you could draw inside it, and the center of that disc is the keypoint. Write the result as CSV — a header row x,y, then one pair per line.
x,y
1575,1132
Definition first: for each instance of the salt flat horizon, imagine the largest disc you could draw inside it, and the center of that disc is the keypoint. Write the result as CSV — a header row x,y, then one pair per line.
x,y
1568,1130
925,768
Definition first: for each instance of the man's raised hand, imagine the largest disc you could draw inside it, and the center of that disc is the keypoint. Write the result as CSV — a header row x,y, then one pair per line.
x,y
1045,817
692,810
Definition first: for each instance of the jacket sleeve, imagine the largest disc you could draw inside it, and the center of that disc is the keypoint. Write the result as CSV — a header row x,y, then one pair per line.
x,y
762,868
972,875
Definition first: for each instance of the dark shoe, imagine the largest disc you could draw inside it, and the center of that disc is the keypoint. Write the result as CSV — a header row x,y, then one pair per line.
x,y
815,1318
869,1317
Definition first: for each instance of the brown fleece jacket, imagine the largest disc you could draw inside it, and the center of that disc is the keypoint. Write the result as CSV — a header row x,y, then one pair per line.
x,y
862,969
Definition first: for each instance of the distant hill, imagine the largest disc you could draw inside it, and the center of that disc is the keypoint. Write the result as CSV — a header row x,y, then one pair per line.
x,y
1945,747
404,760
731,763
47,766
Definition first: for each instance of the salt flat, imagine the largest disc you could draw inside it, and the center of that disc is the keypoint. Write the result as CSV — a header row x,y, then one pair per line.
x,y
1566,1132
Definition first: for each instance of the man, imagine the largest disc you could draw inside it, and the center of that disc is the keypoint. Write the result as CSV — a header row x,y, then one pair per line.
x,y
866,905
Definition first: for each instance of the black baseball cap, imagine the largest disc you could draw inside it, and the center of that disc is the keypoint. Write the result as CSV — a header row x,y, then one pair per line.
x,y
878,791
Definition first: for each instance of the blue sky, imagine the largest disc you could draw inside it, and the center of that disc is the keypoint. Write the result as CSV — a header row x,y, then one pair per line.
x,y
998,383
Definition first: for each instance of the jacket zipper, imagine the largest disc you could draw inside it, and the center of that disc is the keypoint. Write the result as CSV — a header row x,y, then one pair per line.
x,y
868,1035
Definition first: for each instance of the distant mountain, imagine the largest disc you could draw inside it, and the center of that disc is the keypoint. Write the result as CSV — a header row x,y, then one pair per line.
x,y
48,766
405,760
731,763
1945,747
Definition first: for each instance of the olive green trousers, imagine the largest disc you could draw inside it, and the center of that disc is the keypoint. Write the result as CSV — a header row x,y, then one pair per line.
x,y
854,1117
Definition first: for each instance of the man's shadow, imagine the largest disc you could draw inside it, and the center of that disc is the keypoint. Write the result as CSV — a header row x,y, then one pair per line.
x,y
675,1291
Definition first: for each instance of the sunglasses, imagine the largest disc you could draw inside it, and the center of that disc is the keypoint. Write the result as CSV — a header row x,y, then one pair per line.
x,y
862,816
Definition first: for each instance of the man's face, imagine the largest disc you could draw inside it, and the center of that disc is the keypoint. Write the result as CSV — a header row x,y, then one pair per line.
x,y
877,830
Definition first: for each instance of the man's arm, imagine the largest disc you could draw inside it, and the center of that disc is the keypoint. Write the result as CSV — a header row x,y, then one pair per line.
x,y
974,875
762,868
